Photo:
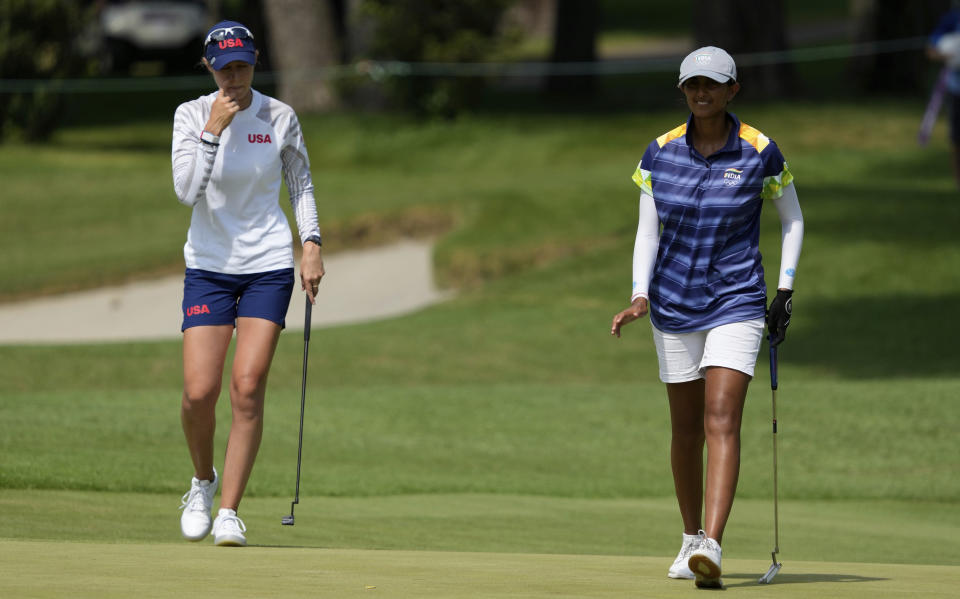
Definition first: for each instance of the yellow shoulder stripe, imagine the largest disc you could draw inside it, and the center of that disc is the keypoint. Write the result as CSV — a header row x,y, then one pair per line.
x,y
672,135
753,137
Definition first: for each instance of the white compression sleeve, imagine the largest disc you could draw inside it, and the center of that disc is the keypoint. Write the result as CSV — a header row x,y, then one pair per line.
x,y
791,233
645,247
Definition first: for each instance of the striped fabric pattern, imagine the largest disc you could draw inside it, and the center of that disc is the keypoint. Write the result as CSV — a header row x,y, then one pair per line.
x,y
708,270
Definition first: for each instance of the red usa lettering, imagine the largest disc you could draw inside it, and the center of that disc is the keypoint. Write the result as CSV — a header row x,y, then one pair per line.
x,y
231,43
197,310
259,138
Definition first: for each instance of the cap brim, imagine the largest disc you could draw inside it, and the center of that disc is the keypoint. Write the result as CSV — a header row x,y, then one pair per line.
x,y
718,77
228,57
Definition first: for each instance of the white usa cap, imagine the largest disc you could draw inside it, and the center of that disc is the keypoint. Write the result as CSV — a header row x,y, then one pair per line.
x,y
710,62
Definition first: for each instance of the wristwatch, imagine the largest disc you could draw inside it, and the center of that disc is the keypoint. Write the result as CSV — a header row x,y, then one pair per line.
x,y
314,238
209,138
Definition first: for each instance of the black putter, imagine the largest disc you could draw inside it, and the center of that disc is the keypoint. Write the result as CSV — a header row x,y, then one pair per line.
x,y
288,520
775,566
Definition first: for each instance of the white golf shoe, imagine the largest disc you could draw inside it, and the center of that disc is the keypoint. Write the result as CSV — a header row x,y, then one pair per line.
x,y
680,569
704,562
196,504
228,529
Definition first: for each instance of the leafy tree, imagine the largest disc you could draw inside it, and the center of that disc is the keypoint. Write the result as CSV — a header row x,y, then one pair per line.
x,y
745,26
884,20
574,40
36,43
440,31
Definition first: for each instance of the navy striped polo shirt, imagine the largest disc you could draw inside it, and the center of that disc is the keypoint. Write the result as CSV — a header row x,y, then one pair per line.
x,y
708,270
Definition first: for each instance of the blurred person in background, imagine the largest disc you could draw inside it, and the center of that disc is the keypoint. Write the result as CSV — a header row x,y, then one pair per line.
x,y
232,149
697,271
944,46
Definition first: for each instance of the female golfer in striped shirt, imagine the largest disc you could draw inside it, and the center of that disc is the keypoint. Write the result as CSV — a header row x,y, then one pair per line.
x,y
231,149
697,271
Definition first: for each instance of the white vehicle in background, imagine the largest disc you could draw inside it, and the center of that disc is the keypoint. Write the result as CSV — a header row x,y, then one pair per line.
x,y
134,31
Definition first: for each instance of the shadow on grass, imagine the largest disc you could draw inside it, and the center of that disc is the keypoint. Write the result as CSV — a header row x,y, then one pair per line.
x,y
923,220
878,337
749,580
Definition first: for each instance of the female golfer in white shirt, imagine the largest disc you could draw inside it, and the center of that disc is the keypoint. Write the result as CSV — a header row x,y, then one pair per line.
x,y
231,150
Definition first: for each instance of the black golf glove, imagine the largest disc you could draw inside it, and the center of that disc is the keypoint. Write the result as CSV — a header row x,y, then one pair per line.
x,y
778,316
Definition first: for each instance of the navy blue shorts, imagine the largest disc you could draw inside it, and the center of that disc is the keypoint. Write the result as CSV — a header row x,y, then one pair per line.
x,y
215,298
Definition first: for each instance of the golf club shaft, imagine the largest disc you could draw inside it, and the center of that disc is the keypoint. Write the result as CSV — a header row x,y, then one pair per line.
x,y
776,513
303,391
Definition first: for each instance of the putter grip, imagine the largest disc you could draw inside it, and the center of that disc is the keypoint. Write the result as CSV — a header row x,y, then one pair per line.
x,y
306,320
773,367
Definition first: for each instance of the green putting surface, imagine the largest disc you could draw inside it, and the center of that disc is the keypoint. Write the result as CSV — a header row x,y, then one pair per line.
x,y
71,569
93,544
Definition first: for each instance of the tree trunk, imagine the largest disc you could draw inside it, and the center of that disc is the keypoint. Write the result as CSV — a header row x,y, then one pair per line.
x,y
359,31
743,27
250,13
879,20
302,40
574,40
213,11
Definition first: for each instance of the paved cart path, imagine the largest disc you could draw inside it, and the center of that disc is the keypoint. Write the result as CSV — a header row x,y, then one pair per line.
x,y
360,285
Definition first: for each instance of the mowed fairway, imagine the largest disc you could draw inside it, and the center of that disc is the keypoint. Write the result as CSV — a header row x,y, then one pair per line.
x,y
501,443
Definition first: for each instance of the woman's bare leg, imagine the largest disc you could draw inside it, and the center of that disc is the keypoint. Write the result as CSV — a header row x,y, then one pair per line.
x,y
686,450
256,343
725,392
204,353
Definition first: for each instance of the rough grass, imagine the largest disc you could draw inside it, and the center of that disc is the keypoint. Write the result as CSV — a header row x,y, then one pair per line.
x,y
516,190
850,440
834,531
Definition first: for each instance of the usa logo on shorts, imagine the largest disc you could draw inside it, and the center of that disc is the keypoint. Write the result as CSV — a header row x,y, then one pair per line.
x,y
732,177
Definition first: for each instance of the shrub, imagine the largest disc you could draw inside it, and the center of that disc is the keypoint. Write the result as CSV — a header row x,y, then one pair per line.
x,y
36,43
445,31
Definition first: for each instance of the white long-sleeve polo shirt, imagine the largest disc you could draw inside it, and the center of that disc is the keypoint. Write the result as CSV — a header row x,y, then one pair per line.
x,y
238,226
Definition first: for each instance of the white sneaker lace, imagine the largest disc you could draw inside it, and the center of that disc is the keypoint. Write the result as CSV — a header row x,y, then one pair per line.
x,y
231,523
688,548
194,500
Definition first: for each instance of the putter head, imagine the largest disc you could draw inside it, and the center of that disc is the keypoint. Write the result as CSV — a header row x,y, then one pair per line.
x,y
768,577
288,520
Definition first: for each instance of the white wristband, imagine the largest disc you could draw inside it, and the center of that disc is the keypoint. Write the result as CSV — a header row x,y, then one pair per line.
x,y
209,138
